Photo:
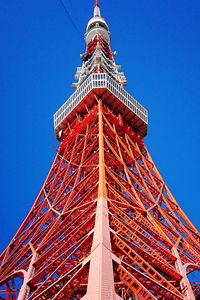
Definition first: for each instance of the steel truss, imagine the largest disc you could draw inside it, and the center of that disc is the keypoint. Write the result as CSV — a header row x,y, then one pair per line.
x,y
151,243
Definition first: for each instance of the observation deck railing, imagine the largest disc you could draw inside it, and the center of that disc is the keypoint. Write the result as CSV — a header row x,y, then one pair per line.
x,y
95,81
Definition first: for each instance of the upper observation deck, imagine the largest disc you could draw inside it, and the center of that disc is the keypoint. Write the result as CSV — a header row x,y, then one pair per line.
x,y
101,85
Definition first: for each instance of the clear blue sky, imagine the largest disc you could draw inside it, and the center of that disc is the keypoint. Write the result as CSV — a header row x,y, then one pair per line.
x,y
157,42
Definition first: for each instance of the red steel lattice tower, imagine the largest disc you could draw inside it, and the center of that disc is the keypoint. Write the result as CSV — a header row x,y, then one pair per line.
x,y
104,225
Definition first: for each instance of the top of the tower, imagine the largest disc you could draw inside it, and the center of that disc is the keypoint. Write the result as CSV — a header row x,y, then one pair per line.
x,y
97,25
97,12
98,57
100,77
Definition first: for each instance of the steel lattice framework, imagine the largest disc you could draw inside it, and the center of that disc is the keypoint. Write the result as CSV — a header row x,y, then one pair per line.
x,y
104,225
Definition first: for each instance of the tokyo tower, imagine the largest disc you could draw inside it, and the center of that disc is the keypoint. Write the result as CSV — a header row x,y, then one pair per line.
x,y
104,225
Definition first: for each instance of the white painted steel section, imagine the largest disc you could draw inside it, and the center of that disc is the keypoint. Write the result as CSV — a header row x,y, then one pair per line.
x,y
101,278
100,80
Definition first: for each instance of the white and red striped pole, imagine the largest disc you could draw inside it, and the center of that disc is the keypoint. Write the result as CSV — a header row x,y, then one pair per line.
x,y
97,12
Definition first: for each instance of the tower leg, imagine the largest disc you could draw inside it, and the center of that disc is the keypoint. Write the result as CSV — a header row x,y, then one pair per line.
x,y
24,291
101,277
185,284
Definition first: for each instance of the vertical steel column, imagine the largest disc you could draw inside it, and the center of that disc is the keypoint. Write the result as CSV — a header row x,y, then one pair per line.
x,y
101,278
24,291
102,180
185,284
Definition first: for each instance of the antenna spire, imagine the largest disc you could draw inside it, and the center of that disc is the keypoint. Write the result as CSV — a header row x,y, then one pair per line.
x,y
97,12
